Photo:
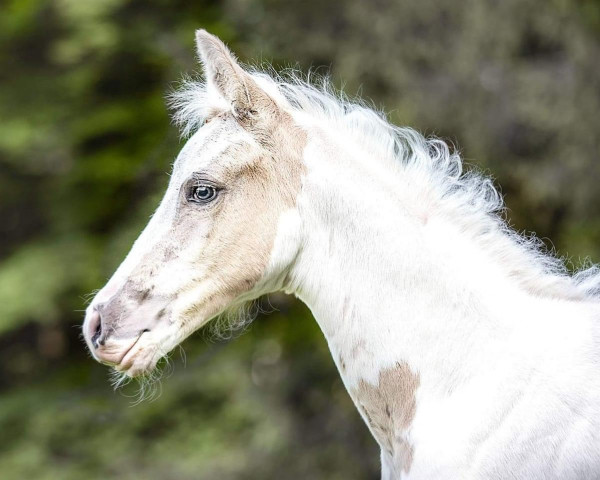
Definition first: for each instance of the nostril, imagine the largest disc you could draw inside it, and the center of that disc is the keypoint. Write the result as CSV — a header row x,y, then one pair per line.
x,y
96,329
97,334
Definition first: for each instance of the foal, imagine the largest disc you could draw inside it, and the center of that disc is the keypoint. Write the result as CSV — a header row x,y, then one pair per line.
x,y
469,352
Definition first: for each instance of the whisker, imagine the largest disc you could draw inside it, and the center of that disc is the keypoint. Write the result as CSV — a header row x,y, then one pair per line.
x,y
88,297
182,355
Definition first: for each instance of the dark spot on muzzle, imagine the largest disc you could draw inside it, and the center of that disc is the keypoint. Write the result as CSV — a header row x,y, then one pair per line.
x,y
143,295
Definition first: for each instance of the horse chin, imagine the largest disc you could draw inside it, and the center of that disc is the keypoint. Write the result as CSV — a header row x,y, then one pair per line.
x,y
141,358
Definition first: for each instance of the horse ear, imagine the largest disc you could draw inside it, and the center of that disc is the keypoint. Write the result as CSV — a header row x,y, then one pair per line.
x,y
235,85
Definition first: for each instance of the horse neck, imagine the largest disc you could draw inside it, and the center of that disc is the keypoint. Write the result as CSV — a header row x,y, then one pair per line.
x,y
390,282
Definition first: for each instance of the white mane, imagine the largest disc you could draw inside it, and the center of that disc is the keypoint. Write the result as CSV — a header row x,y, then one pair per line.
x,y
469,196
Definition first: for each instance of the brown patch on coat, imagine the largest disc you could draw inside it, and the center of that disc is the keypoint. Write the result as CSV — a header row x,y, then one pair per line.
x,y
389,408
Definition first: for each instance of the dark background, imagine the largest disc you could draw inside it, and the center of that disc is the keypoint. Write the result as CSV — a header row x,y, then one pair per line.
x,y
85,144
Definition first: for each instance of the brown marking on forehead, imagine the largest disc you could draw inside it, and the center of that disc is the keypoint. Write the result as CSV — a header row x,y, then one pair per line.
x,y
389,408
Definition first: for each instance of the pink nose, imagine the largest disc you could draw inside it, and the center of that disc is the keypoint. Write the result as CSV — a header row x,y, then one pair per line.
x,y
95,329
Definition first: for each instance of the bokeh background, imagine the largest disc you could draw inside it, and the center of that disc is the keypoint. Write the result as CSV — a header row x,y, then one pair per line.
x,y
85,146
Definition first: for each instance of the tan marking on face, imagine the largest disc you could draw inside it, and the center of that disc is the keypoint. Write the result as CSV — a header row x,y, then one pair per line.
x,y
239,245
389,409
261,182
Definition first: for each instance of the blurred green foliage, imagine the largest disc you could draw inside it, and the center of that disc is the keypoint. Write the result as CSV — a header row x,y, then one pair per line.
x,y
85,146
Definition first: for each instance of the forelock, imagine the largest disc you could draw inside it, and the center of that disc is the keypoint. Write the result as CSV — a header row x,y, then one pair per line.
x,y
192,102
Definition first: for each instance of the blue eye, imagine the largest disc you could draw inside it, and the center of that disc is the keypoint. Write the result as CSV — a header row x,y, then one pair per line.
x,y
203,193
